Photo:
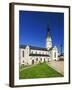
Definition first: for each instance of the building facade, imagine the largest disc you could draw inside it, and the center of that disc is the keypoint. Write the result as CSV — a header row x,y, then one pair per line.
x,y
29,55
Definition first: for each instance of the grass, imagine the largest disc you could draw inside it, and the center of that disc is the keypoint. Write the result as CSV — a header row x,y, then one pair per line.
x,y
39,71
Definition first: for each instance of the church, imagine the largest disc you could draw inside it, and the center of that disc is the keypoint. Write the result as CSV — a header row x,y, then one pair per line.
x,y
29,55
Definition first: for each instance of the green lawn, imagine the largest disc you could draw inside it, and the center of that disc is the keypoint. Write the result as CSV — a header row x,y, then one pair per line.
x,y
39,71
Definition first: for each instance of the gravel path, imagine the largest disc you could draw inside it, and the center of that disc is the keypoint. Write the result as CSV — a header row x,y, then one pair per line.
x,y
58,66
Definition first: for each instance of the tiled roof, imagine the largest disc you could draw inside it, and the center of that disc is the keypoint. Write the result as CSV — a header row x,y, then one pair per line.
x,y
38,48
50,49
35,48
61,55
23,46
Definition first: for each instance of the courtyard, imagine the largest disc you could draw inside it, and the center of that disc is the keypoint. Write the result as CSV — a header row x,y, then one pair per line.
x,y
41,70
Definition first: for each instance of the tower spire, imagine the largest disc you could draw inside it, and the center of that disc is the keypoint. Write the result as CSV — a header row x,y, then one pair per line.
x,y
48,32
61,49
48,39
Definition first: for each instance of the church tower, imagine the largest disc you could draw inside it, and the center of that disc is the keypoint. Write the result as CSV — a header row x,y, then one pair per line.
x,y
48,39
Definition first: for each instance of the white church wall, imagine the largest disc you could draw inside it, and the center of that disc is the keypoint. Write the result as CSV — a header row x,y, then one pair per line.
x,y
27,49
24,59
27,60
55,53
21,56
50,55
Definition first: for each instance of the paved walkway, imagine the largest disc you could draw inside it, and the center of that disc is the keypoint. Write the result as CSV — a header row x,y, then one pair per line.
x,y
28,67
57,65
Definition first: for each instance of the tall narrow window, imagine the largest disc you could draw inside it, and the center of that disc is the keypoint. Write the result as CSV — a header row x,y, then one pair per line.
x,y
23,61
44,59
43,53
36,52
39,52
23,53
55,55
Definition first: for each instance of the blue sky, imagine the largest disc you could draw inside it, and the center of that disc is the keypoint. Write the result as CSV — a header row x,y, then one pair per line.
x,y
33,27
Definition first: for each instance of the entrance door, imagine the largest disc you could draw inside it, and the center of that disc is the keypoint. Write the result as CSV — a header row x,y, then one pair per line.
x,y
32,61
48,59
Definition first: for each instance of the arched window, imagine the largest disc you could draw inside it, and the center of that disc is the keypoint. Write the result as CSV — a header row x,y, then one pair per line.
x,y
40,59
23,61
44,59
36,59
48,59
32,52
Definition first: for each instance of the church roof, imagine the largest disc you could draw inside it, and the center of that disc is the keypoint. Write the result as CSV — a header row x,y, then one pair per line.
x,y
23,46
38,48
35,48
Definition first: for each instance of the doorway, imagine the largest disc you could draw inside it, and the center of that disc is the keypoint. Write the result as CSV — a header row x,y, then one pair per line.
x,y
32,61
